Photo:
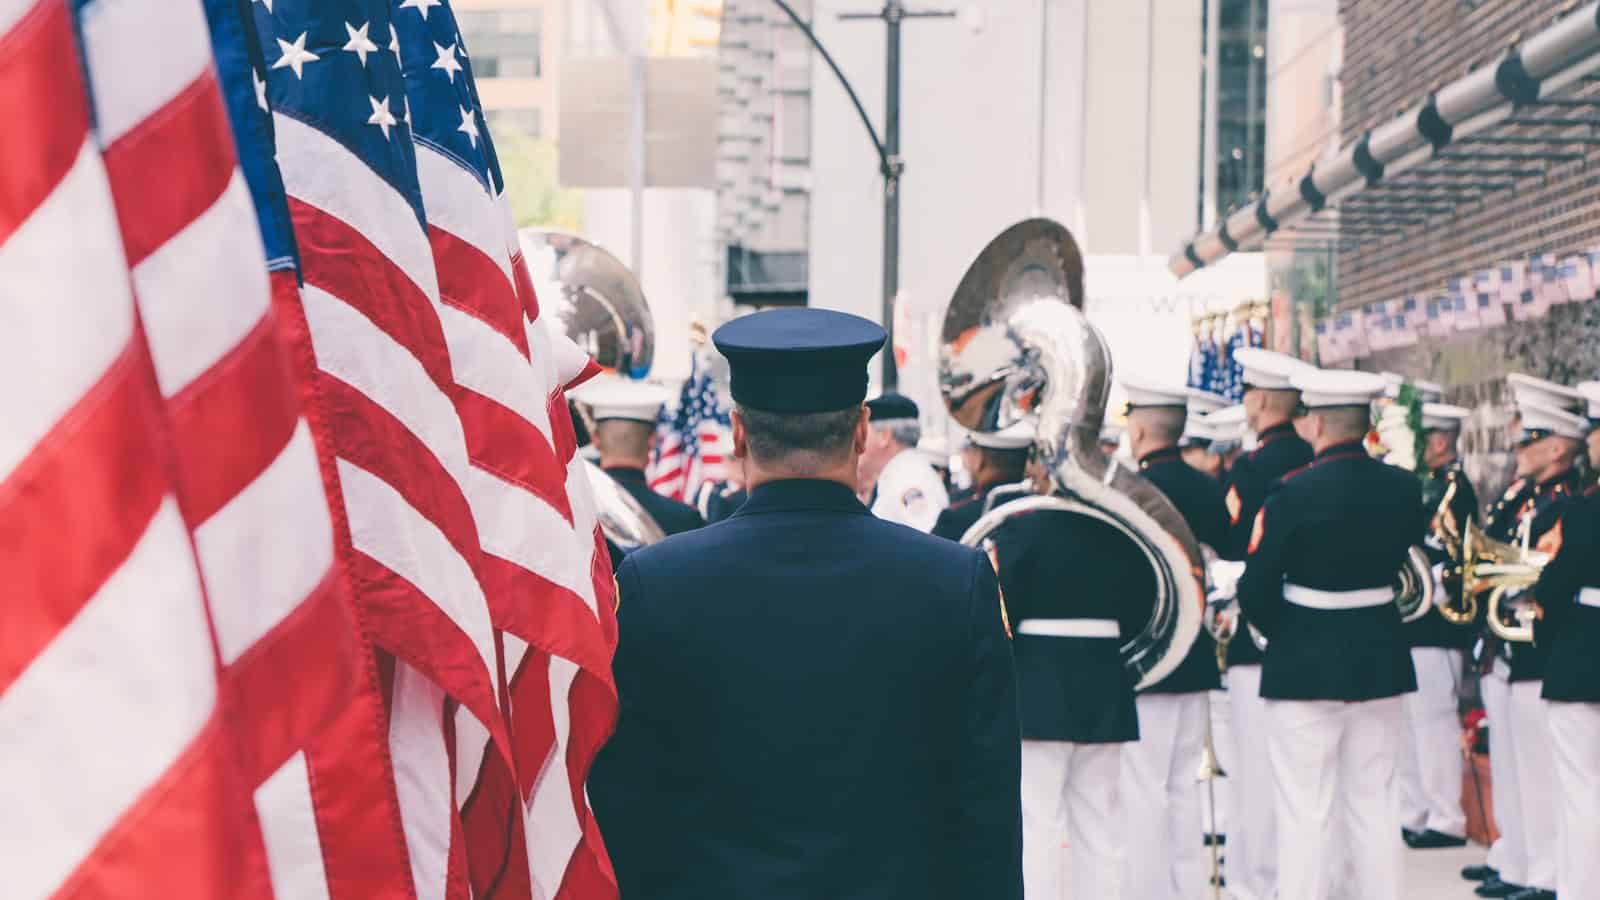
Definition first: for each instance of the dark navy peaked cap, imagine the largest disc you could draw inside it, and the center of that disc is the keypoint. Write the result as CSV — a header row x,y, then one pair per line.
x,y
892,408
799,360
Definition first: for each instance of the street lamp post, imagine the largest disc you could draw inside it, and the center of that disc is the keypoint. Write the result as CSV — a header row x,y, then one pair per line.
x,y
890,163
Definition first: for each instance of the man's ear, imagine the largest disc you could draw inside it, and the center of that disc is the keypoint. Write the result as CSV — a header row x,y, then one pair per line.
x,y
863,430
741,444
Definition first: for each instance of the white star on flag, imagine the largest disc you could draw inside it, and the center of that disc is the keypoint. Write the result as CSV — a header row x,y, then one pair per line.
x,y
469,126
381,116
295,55
447,61
394,43
359,43
421,6
261,90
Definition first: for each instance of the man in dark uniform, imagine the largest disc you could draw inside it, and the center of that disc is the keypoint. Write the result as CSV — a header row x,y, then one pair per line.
x,y
1569,592
1076,693
1527,861
1270,402
1161,799
998,458
717,500
814,702
1321,563
1430,766
624,413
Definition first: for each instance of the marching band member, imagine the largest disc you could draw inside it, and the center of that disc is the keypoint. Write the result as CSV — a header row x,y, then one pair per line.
x,y
798,719
1430,762
717,500
1569,592
624,413
903,487
1551,434
1199,434
1270,402
1161,798
1318,582
998,458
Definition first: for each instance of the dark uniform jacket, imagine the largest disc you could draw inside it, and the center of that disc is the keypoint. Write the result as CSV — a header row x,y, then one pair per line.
x,y
1570,629
717,500
1250,479
1447,482
1199,497
814,703
1058,565
1343,523
963,512
672,516
1541,503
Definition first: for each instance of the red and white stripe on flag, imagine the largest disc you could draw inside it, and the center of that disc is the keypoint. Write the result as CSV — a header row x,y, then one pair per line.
x,y
162,521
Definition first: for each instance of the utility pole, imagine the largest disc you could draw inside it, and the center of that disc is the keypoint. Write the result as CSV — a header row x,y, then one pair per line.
x,y
890,162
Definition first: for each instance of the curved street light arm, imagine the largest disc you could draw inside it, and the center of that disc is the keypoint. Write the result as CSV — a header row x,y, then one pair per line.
x,y
889,169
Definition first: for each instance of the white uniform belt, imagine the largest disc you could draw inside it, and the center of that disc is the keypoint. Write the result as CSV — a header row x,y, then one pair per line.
x,y
1590,597
1073,628
1312,598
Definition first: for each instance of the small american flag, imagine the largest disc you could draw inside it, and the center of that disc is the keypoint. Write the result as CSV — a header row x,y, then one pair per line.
x,y
694,438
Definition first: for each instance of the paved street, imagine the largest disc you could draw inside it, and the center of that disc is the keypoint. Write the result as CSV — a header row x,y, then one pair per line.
x,y
1436,874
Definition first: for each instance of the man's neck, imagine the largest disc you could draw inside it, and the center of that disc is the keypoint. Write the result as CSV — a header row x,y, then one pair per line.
x,y
1146,449
1445,462
843,473
1554,471
1324,444
1270,425
617,462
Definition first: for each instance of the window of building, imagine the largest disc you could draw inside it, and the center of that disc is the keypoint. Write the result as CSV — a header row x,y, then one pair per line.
x,y
1241,135
516,121
504,43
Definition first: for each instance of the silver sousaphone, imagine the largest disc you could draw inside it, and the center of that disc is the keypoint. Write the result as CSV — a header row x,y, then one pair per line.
x,y
1016,344
601,307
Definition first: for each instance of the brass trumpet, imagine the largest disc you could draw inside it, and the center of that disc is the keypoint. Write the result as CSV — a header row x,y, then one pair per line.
x,y
1498,568
1447,531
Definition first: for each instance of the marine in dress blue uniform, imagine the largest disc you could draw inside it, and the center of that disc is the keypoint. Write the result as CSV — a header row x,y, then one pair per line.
x,y
814,702
624,413
998,458
1161,799
1270,401
1430,765
1569,593
1527,858
1321,563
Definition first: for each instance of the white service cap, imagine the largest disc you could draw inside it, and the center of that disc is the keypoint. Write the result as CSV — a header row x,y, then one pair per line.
x,y
1528,389
1144,394
1541,420
616,397
1443,417
935,450
1591,396
1202,403
1111,432
1323,388
1016,436
1268,369
1431,392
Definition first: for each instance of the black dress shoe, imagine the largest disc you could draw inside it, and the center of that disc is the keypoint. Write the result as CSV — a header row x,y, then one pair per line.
x,y
1479,873
1220,840
1494,887
1433,840
1533,894
1408,835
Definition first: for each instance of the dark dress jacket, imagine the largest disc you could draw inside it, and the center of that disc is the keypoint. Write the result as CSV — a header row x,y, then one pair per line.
x,y
1450,483
1199,498
1250,479
1569,591
1062,566
1343,523
672,516
814,702
963,512
1542,503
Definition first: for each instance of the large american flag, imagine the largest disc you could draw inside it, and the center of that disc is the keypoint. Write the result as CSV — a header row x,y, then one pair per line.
x,y
694,437
305,592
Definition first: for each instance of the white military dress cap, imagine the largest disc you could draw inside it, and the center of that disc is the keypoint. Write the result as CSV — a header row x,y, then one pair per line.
x,y
1204,403
1148,394
616,397
1591,395
1542,420
1229,423
1201,431
1325,388
1528,389
1267,369
1443,417
1016,436
1430,391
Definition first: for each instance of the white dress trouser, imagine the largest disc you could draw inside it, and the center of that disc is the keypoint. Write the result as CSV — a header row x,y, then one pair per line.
x,y
1069,819
1252,835
1222,739
1575,740
1429,765
1508,855
1333,767
1161,799
1540,811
